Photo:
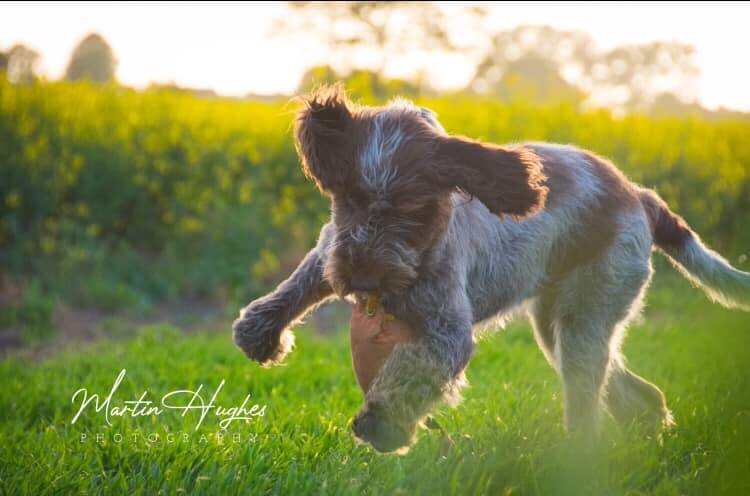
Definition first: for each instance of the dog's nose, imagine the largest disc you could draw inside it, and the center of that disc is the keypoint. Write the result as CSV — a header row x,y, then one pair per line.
x,y
382,435
365,427
364,282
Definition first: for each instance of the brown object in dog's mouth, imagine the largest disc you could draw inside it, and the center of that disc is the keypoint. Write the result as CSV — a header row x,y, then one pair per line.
x,y
373,335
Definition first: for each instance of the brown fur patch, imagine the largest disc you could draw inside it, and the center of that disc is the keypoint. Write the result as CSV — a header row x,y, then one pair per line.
x,y
620,193
507,180
599,221
669,229
323,137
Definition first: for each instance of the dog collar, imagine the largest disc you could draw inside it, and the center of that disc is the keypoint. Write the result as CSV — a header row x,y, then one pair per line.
x,y
372,304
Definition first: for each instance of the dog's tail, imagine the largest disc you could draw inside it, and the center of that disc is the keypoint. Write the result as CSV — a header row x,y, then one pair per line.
x,y
702,266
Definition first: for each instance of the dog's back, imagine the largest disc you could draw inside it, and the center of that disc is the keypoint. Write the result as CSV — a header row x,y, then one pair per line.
x,y
590,206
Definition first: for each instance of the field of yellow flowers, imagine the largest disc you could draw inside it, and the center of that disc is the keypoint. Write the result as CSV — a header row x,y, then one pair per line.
x,y
112,197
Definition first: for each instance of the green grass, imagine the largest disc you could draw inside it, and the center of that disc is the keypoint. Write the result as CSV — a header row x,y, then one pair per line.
x,y
508,432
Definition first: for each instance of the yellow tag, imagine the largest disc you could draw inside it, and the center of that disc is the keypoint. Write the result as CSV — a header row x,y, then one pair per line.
x,y
373,302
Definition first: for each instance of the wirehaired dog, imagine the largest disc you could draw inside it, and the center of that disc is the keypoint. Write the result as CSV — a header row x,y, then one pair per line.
x,y
453,232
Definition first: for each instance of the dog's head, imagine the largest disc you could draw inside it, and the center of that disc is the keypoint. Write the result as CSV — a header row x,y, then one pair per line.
x,y
390,172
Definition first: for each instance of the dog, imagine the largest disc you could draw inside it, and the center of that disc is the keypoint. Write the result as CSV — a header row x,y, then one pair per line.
x,y
453,233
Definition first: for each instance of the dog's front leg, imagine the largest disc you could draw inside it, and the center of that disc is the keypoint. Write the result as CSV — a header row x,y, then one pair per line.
x,y
262,330
413,379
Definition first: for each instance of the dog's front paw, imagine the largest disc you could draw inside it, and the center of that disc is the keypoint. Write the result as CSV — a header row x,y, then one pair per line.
x,y
260,332
372,426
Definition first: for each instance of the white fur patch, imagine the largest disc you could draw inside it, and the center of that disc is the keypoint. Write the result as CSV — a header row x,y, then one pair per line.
x,y
385,138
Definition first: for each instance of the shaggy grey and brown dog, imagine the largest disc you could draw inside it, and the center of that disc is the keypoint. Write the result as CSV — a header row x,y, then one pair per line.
x,y
453,232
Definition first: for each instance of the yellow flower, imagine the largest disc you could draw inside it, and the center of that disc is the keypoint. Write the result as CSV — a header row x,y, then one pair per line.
x,y
246,192
83,210
48,244
191,225
268,263
13,200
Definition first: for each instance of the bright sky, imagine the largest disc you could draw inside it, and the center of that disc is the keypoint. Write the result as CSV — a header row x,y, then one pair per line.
x,y
228,47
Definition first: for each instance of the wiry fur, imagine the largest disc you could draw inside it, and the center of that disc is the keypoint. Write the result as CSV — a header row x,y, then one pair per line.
x,y
263,329
421,217
702,266
412,371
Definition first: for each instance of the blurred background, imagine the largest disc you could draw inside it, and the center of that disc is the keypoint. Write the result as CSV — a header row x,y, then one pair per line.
x,y
147,169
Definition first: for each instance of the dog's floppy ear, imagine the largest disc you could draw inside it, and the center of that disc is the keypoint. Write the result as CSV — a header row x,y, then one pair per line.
x,y
507,180
322,136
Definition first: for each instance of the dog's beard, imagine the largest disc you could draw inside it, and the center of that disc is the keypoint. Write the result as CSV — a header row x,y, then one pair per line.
x,y
394,264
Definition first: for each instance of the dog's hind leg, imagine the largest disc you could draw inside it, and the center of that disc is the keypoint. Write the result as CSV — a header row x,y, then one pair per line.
x,y
630,398
542,320
592,306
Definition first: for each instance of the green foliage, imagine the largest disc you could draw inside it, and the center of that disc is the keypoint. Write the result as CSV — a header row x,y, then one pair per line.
x,y
363,85
32,314
166,192
162,194
508,432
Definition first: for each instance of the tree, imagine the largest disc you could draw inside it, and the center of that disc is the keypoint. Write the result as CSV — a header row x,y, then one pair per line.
x,y
531,60
3,61
92,59
531,78
385,28
317,76
375,36
552,64
647,72
21,64
360,83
